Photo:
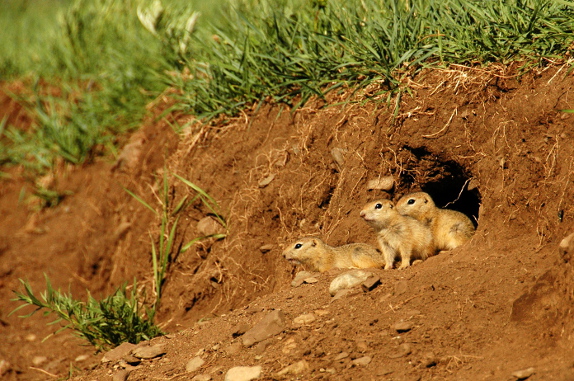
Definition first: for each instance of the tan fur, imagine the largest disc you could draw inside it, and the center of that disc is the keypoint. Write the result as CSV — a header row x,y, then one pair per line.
x,y
316,255
450,228
398,235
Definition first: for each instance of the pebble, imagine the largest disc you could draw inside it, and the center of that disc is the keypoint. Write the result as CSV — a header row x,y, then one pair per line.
x,y
118,352
304,319
266,181
338,155
348,280
208,226
566,248
270,325
240,330
371,283
385,183
402,326
429,360
402,351
523,374
148,352
344,293
266,248
121,375
30,337
260,348
243,373
401,287
300,278
5,367
362,346
39,360
295,369
233,349
81,358
194,364
340,356
289,346
202,377
362,361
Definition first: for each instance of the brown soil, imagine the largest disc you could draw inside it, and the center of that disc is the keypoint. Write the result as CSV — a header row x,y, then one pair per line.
x,y
486,142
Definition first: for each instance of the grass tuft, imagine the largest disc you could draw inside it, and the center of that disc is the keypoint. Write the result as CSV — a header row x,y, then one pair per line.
x,y
103,323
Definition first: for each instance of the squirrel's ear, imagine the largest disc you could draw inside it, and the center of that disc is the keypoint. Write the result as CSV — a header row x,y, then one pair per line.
x,y
426,199
314,242
391,205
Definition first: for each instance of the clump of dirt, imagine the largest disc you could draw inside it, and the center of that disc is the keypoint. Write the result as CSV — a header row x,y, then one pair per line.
x,y
486,142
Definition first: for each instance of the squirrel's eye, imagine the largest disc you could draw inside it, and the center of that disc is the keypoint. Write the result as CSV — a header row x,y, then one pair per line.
x,y
298,246
411,201
379,206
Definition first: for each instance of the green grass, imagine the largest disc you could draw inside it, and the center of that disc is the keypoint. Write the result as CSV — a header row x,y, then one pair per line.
x,y
108,66
103,323
165,251
291,51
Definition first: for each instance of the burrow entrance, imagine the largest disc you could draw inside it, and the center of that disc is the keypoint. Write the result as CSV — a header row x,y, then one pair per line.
x,y
449,183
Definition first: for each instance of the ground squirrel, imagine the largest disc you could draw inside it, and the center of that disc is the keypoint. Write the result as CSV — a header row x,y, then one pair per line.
x,y
316,255
450,228
398,235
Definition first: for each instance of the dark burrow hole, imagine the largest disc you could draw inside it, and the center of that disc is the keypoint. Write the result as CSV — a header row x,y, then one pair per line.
x,y
445,180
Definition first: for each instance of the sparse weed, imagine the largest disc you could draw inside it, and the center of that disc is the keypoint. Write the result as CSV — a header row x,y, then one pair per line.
x,y
169,218
103,323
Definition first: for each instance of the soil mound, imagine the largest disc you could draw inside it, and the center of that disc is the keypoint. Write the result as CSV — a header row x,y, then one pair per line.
x,y
487,142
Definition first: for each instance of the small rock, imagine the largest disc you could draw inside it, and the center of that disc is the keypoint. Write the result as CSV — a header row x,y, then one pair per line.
x,y
300,278
362,346
266,248
310,280
148,352
262,346
429,360
5,367
281,158
132,360
121,375
240,330
403,350
194,364
30,337
295,369
322,312
243,373
362,361
472,184
304,319
402,326
233,349
566,248
39,360
348,280
523,374
340,356
371,283
386,183
118,352
266,181
344,293
202,377
289,346
338,155
401,287
81,358
270,325
208,226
